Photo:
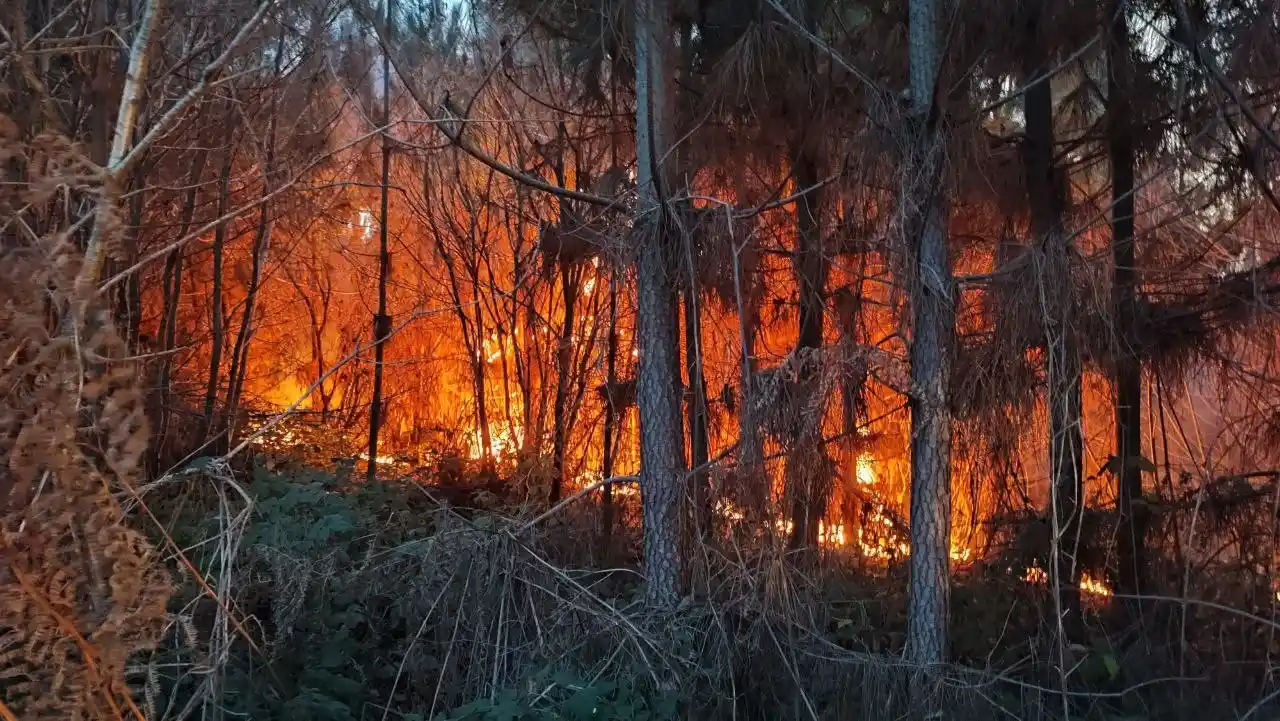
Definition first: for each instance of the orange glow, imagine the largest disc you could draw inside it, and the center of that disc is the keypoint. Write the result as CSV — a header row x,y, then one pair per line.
x,y
480,315
1089,585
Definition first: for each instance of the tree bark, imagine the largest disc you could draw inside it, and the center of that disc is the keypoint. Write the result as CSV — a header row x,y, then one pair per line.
x,y
610,420
933,321
806,471
661,457
1128,371
381,321
1047,197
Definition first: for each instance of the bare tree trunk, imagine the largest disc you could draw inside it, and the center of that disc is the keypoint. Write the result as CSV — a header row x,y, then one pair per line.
x,y
750,448
1128,379
933,321
381,321
661,458
172,301
610,420
564,358
1047,196
261,245
219,309
699,443
806,471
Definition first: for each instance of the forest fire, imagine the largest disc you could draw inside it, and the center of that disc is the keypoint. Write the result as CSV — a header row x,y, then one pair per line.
x,y
852,290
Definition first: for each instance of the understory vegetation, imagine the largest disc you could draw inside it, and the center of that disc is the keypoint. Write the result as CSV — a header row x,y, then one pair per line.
x,y
428,597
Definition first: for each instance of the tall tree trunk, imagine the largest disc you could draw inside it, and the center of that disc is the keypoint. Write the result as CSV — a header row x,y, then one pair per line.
x,y
1128,372
172,301
610,420
661,457
564,365
564,345
806,471
750,448
219,309
261,245
933,322
1047,196
381,321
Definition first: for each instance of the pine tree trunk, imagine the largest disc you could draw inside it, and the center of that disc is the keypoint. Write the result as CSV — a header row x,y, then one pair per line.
x,y
806,471
1128,378
661,456
1047,196
933,319
610,421
381,321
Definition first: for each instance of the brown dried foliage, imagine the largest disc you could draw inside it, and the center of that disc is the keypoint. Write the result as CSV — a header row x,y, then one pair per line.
x,y
80,591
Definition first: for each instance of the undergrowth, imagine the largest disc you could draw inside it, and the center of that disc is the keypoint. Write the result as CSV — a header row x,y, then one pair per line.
x,y
353,601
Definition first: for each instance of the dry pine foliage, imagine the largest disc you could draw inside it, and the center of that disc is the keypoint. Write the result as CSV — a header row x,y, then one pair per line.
x,y
80,591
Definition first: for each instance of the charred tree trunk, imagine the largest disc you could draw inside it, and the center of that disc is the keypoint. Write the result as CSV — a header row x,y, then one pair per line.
x,y
1066,447
933,325
661,457
381,321
219,309
806,472
1128,371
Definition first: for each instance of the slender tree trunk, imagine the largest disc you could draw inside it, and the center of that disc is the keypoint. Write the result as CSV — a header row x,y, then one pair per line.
x,y
610,420
381,321
261,245
172,301
564,358
130,315
219,309
1047,196
478,363
121,142
1128,378
750,448
933,322
806,471
699,443
661,457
